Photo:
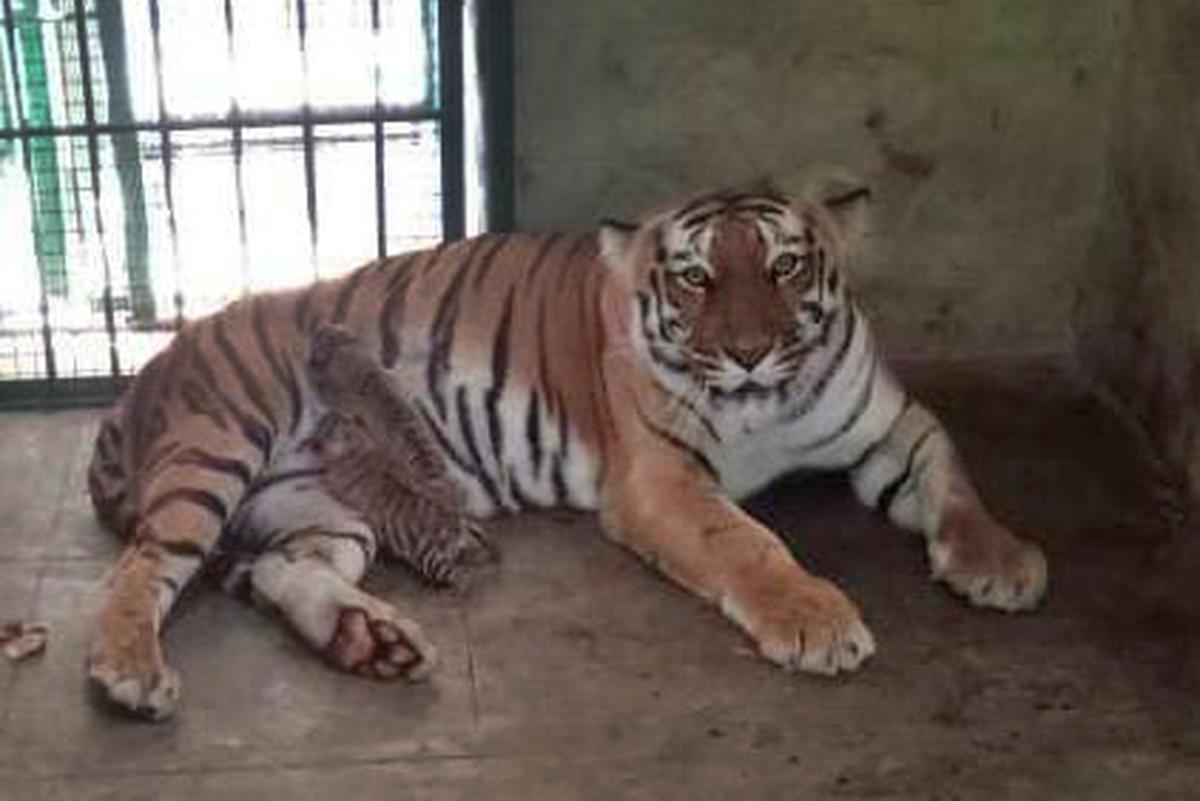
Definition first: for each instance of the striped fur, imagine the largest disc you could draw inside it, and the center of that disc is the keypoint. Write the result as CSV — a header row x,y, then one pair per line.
x,y
652,372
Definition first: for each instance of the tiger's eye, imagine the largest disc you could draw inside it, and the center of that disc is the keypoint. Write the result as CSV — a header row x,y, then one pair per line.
x,y
693,277
790,265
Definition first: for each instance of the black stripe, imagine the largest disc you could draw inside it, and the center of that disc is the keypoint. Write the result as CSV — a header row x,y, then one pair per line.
x,y
564,424
856,413
102,447
818,389
391,312
192,495
515,489
402,269
113,431
436,254
691,407
181,548
500,356
658,288
152,460
562,493
820,281
390,319
441,331
695,204
345,296
260,437
543,342
195,457
671,439
446,445
467,430
888,495
287,475
813,309
873,446
285,378
533,432
253,391
667,361
171,584
252,429
485,266
540,259
701,218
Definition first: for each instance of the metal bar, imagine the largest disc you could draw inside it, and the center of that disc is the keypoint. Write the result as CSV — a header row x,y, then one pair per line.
x,y
495,42
93,139
262,119
167,159
45,181
110,18
238,172
380,193
310,165
450,102
10,32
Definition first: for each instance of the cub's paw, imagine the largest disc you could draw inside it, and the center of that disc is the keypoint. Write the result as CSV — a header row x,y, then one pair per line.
x,y
380,644
813,627
990,567
134,679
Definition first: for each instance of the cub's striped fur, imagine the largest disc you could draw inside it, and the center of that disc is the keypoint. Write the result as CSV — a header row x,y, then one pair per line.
x,y
379,457
654,372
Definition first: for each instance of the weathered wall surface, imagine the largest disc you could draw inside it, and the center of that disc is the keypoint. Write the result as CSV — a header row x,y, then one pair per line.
x,y
1139,312
980,123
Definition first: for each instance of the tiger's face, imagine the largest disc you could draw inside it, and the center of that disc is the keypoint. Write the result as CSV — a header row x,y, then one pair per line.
x,y
734,291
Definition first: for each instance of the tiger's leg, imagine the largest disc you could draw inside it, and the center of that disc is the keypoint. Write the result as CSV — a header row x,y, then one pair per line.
x,y
313,553
184,496
675,517
912,475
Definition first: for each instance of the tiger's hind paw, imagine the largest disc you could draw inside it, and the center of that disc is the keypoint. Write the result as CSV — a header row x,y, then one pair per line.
x,y
380,645
149,692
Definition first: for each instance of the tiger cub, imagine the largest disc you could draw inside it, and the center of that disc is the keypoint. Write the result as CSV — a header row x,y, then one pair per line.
x,y
378,457
657,373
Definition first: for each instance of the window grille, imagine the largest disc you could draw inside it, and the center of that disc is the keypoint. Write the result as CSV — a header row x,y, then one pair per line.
x,y
159,158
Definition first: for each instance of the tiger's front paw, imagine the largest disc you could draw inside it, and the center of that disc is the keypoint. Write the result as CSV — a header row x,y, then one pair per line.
x,y
813,627
984,562
131,675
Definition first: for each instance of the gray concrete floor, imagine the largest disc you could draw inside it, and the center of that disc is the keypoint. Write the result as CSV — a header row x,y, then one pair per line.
x,y
571,671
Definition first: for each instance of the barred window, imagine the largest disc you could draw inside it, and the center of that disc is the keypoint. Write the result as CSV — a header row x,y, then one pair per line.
x,y
159,158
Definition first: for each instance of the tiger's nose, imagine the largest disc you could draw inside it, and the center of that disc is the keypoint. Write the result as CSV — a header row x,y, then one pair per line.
x,y
748,356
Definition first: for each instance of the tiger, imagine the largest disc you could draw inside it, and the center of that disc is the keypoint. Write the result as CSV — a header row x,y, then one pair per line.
x,y
655,373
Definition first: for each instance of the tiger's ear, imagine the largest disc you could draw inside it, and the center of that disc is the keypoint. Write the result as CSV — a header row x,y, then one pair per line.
x,y
616,243
847,201
851,210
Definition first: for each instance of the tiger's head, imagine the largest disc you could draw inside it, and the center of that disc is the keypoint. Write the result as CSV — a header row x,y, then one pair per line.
x,y
733,291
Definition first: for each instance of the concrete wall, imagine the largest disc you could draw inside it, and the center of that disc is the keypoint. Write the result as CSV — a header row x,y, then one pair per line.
x,y
981,124
1139,313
